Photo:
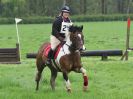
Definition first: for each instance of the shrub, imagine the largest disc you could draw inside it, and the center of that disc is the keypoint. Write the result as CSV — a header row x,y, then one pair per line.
x,y
78,18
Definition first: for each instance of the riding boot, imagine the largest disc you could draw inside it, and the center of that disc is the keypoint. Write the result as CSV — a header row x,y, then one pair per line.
x,y
50,56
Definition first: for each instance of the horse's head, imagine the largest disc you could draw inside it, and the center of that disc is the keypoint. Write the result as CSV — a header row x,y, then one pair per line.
x,y
80,34
77,37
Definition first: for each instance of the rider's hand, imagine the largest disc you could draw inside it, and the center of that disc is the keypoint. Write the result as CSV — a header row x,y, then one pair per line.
x,y
63,42
61,39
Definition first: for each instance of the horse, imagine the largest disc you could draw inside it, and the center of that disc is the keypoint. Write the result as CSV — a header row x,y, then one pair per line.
x,y
68,59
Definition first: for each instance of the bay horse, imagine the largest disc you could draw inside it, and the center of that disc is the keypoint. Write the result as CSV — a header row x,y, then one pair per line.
x,y
68,59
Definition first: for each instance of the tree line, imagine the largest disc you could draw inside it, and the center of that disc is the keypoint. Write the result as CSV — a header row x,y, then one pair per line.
x,y
24,8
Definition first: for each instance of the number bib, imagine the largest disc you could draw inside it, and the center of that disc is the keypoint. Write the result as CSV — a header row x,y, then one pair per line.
x,y
65,27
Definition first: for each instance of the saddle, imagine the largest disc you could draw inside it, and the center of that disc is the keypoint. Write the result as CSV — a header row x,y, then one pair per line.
x,y
47,50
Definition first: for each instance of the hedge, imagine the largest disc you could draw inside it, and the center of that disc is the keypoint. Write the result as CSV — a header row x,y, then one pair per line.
x,y
78,18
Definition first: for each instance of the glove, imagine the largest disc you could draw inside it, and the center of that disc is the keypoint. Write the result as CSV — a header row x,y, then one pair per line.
x,y
60,39
63,42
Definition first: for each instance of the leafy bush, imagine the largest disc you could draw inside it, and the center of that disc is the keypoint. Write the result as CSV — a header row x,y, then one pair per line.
x,y
79,18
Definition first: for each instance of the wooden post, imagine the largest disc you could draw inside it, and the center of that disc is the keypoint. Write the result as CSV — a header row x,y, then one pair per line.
x,y
104,57
18,52
125,55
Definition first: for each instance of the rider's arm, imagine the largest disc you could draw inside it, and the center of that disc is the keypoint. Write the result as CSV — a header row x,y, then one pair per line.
x,y
56,29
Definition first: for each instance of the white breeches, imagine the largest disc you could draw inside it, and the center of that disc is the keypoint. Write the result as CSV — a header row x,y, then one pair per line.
x,y
54,42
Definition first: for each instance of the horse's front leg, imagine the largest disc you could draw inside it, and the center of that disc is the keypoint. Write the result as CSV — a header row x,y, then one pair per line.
x,y
67,82
83,71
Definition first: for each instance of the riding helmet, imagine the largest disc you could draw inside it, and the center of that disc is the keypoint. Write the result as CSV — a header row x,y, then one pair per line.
x,y
65,9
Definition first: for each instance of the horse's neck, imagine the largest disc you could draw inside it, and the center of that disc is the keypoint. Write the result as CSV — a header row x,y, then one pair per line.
x,y
69,44
66,50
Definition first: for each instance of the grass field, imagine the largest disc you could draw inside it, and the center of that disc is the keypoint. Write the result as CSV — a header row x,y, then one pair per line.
x,y
111,79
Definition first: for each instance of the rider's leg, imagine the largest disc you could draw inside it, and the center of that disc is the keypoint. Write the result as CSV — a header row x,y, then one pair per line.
x,y
50,54
54,43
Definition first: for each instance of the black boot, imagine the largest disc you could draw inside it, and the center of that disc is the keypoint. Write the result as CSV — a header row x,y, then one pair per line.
x,y
50,56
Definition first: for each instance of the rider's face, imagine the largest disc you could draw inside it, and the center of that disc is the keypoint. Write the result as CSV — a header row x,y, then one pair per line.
x,y
66,15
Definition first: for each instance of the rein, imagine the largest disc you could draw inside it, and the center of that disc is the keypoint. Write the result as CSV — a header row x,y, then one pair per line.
x,y
67,44
63,47
68,47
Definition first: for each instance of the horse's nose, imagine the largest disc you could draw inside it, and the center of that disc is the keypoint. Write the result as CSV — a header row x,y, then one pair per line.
x,y
84,48
81,49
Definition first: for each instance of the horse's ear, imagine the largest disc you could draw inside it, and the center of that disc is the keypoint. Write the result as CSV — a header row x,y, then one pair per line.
x,y
71,28
81,27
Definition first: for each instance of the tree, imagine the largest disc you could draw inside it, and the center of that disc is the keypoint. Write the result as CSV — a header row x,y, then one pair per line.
x,y
0,7
104,6
64,2
120,6
85,6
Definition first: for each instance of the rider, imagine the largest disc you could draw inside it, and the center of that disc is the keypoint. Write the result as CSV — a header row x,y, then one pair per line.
x,y
59,28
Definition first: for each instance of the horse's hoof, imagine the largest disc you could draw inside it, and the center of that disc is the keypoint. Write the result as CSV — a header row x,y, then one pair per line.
x,y
53,89
69,90
85,88
37,88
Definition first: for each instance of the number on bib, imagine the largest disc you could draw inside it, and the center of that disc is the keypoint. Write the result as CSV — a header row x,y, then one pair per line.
x,y
64,28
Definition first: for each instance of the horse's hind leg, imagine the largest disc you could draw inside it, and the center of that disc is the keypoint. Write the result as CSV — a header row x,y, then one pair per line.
x,y
40,67
53,77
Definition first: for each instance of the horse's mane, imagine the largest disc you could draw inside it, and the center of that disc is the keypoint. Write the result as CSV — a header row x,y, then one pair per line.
x,y
75,28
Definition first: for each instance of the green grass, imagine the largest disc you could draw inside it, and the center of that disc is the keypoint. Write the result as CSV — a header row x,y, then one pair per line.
x,y
110,79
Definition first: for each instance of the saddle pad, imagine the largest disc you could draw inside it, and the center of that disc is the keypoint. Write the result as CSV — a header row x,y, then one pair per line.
x,y
57,51
47,49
